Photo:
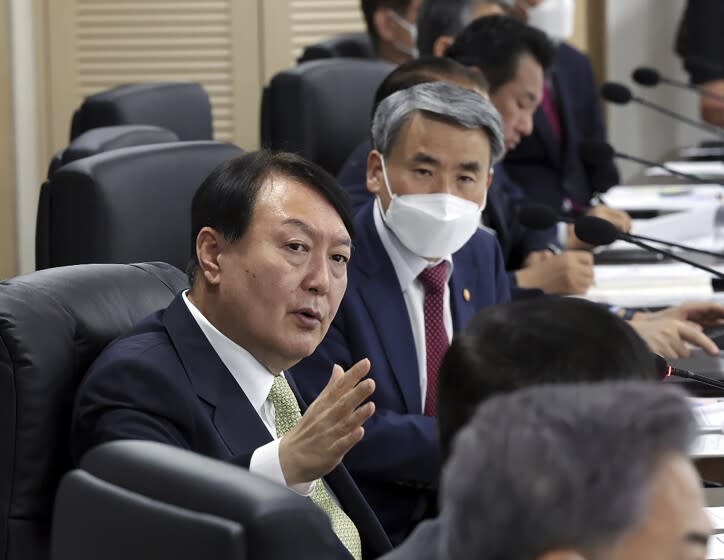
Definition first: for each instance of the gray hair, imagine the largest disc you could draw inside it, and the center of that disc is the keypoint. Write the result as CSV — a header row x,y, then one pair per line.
x,y
558,466
451,103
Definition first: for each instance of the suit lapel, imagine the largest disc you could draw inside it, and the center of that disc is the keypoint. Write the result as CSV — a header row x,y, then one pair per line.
x,y
238,424
463,287
387,310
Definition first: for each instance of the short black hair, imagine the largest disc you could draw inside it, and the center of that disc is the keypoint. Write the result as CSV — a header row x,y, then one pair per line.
x,y
534,341
225,200
427,69
369,7
494,44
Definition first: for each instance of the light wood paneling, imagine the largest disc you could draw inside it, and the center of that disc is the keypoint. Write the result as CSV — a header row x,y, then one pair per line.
x,y
98,44
8,235
290,25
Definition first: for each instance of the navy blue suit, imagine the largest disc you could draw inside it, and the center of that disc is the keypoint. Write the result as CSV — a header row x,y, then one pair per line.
x,y
164,382
397,463
549,170
505,199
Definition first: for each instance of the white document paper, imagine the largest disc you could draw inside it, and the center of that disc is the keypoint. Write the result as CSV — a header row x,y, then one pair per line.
x,y
716,516
649,285
663,198
709,415
715,550
707,445
700,168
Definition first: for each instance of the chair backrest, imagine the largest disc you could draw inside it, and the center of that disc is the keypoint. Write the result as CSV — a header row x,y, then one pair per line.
x,y
182,107
321,109
89,143
106,138
277,523
94,519
126,205
351,45
53,324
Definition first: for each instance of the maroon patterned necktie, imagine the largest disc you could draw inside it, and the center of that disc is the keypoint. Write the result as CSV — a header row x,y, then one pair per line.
x,y
551,112
436,340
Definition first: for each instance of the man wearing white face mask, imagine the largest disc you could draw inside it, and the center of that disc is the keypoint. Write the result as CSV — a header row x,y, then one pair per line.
x,y
421,269
391,27
547,164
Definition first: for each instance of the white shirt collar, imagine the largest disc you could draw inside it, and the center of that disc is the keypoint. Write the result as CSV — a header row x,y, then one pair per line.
x,y
407,264
253,378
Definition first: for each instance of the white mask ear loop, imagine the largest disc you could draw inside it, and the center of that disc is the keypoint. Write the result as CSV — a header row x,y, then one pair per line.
x,y
411,28
384,176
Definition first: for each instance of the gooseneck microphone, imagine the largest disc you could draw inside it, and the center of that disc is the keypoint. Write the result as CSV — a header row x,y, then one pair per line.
x,y
621,95
595,152
537,216
664,369
596,231
650,77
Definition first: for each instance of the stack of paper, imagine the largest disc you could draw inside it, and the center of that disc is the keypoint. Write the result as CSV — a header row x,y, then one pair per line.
x,y
716,516
649,285
709,414
698,168
663,198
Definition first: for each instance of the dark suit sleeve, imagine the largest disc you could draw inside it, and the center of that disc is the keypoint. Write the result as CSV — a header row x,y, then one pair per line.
x,y
601,176
135,397
397,448
700,41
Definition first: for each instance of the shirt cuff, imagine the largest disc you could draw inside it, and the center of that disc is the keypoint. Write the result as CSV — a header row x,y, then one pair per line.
x,y
562,234
265,462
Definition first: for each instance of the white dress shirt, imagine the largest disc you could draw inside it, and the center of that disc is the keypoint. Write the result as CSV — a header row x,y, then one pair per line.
x,y
408,267
256,382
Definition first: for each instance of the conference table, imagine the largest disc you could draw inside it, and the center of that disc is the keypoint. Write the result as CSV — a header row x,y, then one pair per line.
x,y
671,209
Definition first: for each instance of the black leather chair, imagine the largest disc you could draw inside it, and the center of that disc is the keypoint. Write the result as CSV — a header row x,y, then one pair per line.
x,y
351,45
321,109
89,143
53,324
182,107
139,499
106,138
126,205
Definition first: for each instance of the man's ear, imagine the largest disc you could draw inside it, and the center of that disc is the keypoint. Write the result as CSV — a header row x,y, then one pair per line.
x,y
209,244
383,24
375,178
441,44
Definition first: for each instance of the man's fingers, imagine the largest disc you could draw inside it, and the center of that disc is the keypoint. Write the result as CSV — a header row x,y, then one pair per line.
x,y
353,375
696,337
352,399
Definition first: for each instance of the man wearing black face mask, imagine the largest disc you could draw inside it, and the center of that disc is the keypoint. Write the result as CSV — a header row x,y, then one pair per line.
x,y
421,269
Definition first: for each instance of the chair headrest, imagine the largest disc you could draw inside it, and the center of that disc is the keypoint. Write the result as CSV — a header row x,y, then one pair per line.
x,y
53,324
182,107
108,138
185,479
321,109
129,205
95,519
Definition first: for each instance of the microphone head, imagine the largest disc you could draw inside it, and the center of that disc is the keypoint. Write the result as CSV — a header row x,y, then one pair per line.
x,y
662,366
647,77
595,152
538,216
616,93
595,231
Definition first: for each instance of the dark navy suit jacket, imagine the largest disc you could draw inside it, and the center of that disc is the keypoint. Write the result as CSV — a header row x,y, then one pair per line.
x,y
550,170
397,462
164,382
505,199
